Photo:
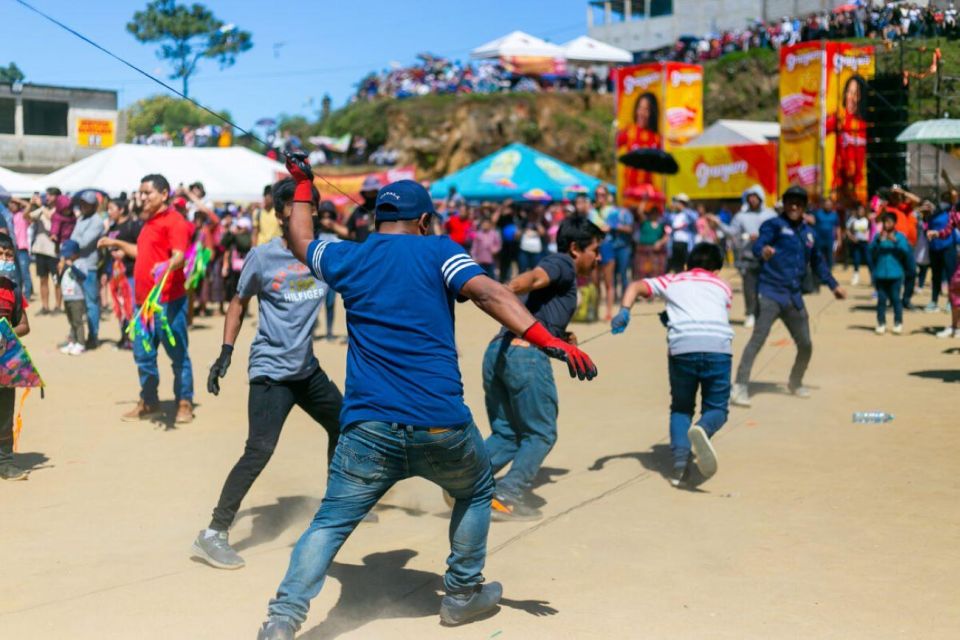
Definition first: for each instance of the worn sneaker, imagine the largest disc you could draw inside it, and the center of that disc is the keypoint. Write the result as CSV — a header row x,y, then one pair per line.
x,y
855,280
740,396
948,332
749,321
92,343
508,509
931,307
679,475
897,329
142,411
77,349
704,455
277,629
10,471
880,330
800,392
184,412
66,348
457,608
216,551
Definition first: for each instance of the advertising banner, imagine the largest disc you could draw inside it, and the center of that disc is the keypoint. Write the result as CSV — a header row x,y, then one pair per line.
x,y
95,133
723,172
350,183
801,108
848,68
658,105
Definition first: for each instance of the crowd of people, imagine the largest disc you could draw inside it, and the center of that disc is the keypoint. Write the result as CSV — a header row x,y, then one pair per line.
x,y
889,21
208,135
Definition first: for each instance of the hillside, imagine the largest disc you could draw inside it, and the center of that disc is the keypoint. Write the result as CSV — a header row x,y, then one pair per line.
x,y
440,134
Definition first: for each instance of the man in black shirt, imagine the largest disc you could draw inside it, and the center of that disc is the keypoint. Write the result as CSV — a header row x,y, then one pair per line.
x,y
126,228
521,396
360,222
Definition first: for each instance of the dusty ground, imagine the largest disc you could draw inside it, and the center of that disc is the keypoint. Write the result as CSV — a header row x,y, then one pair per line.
x,y
814,527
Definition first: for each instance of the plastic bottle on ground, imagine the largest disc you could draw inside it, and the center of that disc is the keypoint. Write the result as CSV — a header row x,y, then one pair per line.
x,y
872,417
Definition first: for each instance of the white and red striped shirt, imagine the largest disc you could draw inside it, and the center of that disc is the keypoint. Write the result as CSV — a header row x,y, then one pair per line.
x,y
698,304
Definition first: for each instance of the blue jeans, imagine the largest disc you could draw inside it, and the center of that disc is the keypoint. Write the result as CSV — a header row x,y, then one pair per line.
x,y
23,262
888,291
179,355
860,254
329,303
526,261
522,406
370,458
622,256
91,295
710,372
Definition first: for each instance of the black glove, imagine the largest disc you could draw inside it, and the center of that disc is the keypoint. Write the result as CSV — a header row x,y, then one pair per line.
x,y
219,369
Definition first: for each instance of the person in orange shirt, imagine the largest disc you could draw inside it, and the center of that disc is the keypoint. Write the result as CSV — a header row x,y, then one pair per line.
x,y
642,134
901,203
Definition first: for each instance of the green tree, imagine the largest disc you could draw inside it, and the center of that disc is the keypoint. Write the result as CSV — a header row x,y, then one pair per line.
x,y
11,73
187,34
169,113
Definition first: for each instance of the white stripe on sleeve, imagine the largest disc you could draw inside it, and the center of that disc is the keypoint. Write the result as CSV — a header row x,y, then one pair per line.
x,y
460,267
317,254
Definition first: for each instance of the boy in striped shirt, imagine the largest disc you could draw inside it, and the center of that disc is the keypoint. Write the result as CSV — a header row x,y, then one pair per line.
x,y
700,345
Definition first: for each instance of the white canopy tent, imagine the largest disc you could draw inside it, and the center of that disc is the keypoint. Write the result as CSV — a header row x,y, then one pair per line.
x,y
18,184
731,132
517,44
230,173
586,49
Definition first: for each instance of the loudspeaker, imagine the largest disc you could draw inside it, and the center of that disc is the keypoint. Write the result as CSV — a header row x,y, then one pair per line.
x,y
886,110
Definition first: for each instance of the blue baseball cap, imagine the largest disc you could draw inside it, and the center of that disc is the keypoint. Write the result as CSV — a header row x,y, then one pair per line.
x,y
69,248
403,200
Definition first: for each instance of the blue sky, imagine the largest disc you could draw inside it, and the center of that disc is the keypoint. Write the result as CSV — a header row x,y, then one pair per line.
x,y
301,50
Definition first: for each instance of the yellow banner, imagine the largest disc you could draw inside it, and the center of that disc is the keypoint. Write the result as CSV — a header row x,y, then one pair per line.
x,y
639,124
848,69
95,133
725,172
683,101
801,108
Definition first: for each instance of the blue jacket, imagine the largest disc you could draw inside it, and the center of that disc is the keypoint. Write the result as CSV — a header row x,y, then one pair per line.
x,y
938,223
891,258
782,275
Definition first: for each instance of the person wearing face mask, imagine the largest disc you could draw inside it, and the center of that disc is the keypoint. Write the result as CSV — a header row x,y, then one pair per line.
x,y
786,245
283,369
360,222
13,309
86,233
160,247
403,410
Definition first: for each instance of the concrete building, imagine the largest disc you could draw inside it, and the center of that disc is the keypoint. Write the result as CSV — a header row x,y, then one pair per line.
x,y
44,128
646,25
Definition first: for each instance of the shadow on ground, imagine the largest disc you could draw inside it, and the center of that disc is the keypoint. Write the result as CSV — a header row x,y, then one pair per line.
x,y
658,460
271,520
384,588
944,375
32,461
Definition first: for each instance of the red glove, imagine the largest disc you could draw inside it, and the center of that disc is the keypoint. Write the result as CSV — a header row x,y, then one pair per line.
x,y
302,174
579,363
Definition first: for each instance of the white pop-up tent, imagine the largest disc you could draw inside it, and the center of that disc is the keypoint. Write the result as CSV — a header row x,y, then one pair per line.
x,y
734,132
230,173
517,44
586,49
18,184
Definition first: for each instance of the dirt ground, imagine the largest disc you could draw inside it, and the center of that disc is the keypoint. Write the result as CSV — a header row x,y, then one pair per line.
x,y
814,527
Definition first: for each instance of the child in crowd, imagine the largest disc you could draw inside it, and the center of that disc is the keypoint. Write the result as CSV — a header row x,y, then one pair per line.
x,y
700,344
71,281
891,255
858,235
13,308
486,246
237,243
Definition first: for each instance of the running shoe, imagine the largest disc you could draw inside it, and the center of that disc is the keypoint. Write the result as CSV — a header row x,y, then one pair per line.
x,y
216,551
277,629
740,396
508,509
457,608
704,455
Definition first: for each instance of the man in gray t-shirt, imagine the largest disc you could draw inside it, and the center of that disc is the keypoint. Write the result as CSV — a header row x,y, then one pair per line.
x,y
283,370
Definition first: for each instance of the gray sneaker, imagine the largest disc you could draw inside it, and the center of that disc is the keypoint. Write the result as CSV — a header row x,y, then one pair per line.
x,y
10,471
740,396
457,608
216,551
704,456
800,392
277,629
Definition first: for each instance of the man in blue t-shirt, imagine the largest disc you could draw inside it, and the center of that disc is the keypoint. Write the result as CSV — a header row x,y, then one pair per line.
x,y
521,396
403,411
283,370
826,228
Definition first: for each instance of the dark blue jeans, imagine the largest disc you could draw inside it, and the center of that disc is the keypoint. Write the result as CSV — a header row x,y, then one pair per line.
x,y
91,294
711,373
622,256
179,356
888,291
522,406
370,458
23,263
860,254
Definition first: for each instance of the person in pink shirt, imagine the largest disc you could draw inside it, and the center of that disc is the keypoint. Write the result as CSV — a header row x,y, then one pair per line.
x,y
21,238
486,245
953,331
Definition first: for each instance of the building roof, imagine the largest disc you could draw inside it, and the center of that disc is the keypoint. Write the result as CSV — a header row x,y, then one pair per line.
x,y
730,132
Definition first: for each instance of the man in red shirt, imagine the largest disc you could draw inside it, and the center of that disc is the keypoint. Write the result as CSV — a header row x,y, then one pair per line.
x,y
460,227
161,246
